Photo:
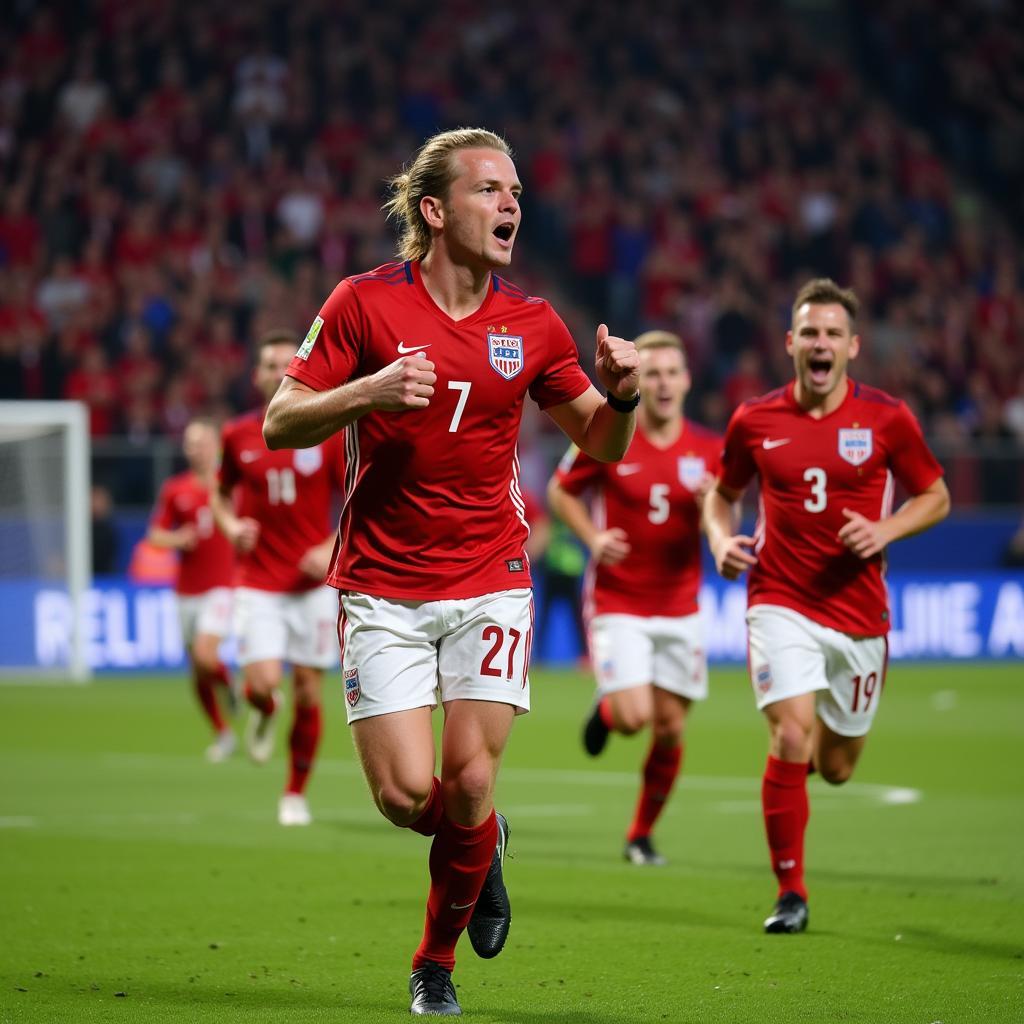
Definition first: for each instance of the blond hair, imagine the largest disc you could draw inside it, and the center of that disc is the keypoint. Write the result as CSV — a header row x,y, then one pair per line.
x,y
660,339
430,174
823,291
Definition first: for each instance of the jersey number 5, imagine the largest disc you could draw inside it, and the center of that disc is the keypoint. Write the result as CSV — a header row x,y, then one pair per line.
x,y
818,499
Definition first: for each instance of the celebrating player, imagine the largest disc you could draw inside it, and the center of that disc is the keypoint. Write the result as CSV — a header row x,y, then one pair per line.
x,y
280,525
643,532
825,449
182,521
425,365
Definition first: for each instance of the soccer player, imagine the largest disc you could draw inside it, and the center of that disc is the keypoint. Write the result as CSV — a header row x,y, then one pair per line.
x,y
425,364
276,509
643,532
183,522
826,450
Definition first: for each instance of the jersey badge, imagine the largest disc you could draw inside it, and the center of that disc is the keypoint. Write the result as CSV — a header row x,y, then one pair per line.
x,y
352,691
307,345
505,352
691,471
308,460
855,446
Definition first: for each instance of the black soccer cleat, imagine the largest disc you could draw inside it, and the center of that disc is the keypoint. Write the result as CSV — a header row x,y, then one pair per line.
x,y
789,915
642,853
595,732
492,915
432,991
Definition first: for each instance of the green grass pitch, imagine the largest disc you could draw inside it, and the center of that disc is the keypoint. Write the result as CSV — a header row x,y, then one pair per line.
x,y
141,884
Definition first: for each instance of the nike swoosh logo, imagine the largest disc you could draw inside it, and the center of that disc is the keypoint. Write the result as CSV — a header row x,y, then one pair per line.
x,y
464,906
249,456
628,469
404,350
769,445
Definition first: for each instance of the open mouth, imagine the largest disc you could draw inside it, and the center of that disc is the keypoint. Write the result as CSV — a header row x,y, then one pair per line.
x,y
504,232
820,367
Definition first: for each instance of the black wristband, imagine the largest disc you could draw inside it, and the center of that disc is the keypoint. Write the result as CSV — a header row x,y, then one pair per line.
x,y
623,404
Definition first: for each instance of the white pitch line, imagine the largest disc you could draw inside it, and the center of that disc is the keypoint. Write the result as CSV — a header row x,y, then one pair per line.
x,y
18,821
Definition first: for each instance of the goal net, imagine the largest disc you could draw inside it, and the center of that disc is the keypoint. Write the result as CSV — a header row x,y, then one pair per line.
x,y
45,535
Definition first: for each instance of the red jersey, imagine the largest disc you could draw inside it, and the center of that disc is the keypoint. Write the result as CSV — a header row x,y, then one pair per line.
x,y
651,495
288,493
434,509
810,470
185,499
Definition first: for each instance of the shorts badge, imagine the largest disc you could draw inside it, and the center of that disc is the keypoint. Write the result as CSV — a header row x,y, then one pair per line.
x,y
352,691
505,352
855,446
763,679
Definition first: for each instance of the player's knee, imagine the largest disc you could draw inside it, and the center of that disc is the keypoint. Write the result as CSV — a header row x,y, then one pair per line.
x,y
470,789
792,740
630,722
836,774
667,734
401,805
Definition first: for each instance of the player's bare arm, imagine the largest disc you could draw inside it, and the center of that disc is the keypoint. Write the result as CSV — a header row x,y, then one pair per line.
x,y
589,421
608,547
243,532
730,549
184,538
317,560
867,537
299,417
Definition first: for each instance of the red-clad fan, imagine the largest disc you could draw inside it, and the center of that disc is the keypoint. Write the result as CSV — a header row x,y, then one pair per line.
x,y
425,365
183,521
826,451
276,508
642,526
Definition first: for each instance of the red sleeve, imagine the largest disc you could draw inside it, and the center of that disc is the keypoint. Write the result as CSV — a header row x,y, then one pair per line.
x,y
228,474
163,515
563,378
738,467
578,472
912,462
332,348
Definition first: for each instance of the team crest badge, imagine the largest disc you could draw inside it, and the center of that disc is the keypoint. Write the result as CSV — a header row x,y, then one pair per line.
x,y
308,460
505,352
855,446
352,691
691,471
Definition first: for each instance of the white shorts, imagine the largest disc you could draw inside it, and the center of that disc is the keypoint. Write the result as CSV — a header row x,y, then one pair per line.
x,y
297,628
632,650
206,614
398,655
789,654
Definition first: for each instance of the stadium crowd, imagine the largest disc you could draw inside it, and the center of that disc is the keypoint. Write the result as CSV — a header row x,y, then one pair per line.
x,y
176,178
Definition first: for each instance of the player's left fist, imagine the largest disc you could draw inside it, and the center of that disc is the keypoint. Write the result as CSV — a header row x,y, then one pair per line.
x,y
618,364
863,536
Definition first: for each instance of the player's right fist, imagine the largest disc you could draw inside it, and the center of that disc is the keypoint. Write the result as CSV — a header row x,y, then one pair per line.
x,y
732,558
610,547
245,535
407,383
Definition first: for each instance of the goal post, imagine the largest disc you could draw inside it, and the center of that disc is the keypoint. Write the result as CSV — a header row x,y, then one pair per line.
x,y
46,522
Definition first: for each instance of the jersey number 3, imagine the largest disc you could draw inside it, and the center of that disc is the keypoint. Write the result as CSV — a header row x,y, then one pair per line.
x,y
818,499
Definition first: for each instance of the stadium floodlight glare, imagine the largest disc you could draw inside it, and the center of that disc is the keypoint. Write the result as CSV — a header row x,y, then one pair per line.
x,y
45,518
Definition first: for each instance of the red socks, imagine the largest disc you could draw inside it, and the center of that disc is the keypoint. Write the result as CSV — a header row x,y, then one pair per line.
x,y
604,710
660,771
784,800
206,691
302,743
426,824
459,860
